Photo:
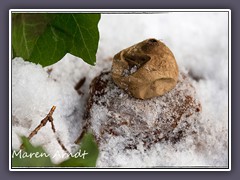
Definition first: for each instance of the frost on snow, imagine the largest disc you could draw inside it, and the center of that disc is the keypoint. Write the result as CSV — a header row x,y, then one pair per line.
x,y
199,42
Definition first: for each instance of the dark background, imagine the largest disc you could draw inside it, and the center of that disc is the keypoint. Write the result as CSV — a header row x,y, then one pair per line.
x,y
5,5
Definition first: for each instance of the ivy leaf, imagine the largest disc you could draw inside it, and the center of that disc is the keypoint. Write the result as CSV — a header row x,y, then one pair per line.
x,y
88,146
45,38
31,156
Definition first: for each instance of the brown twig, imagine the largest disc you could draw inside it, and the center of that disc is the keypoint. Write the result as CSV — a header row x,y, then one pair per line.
x,y
80,83
78,140
42,124
58,139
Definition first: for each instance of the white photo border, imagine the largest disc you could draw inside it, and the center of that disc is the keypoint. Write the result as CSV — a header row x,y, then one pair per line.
x,y
120,11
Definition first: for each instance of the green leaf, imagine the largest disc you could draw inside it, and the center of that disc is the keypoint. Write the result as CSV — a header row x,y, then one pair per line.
x,y
86,156
88,146
31,156
45,38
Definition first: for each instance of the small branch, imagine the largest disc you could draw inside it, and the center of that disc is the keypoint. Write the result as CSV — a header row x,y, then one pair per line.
x,y
62,146
58,139
80,83
78,140
42,124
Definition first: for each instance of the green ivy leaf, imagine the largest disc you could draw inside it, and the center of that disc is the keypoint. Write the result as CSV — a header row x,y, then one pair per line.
x,y
31,156
89,146
45,38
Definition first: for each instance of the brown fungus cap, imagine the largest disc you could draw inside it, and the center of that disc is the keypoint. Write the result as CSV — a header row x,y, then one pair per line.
x,y
145,70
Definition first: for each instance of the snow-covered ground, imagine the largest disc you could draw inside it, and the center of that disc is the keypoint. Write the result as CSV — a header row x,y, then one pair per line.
x,y
199,41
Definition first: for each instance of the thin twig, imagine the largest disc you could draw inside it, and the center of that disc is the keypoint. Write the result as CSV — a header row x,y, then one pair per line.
x,y
80,83
58,139
62,146
78,140
42,124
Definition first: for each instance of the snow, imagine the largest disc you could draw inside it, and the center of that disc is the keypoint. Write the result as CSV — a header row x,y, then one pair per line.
x,y
199,42
33,95
132,70
123,122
